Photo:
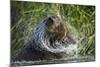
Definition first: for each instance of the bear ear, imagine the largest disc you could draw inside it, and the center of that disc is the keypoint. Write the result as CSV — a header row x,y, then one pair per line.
x,y
49,21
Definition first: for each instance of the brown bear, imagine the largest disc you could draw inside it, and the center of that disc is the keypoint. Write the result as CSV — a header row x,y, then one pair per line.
x,y
49,41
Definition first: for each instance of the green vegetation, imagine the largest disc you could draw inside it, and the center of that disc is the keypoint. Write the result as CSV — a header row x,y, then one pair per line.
x,y
25,16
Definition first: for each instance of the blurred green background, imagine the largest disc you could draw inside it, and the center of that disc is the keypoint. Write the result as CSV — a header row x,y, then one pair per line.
x,y
25,16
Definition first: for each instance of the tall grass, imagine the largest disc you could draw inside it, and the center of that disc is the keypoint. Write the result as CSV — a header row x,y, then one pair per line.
x,y
25,16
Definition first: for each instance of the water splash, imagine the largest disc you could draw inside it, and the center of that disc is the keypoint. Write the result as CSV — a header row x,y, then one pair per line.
x,y
43,43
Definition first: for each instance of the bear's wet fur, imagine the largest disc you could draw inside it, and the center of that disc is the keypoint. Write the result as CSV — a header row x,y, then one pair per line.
x,y
56,31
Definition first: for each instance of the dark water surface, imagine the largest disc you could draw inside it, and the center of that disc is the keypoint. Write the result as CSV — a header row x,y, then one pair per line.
x,y
55,61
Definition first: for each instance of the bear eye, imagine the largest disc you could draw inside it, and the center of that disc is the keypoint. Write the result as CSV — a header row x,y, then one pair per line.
x,y
49,21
